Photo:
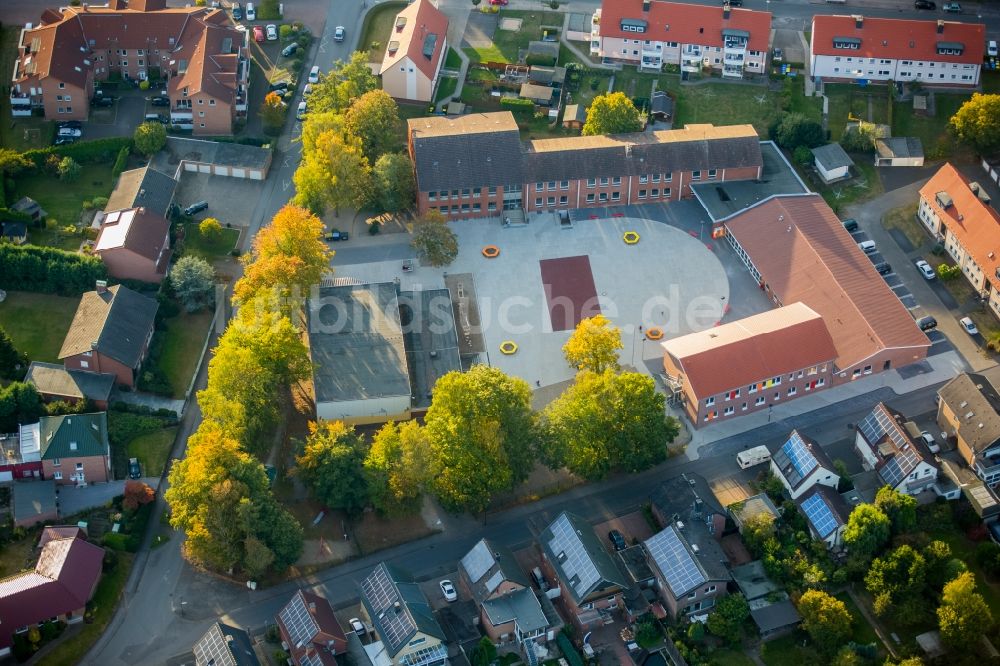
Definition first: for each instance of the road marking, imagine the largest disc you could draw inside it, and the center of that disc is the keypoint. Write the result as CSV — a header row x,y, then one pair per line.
x,y
285,185
287,162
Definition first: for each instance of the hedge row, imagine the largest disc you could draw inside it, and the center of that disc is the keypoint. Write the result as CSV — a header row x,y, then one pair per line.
x,y
517,105
84,152
48,270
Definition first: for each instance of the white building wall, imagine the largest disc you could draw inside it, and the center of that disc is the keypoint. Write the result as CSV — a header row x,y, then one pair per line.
x,y
372,410
832,174
820,475
854,67
919,475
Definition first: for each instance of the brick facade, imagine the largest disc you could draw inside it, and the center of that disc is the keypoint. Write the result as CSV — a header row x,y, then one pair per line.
x,y
72,471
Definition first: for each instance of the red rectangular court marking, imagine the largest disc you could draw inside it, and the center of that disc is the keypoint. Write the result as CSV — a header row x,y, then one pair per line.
x,y
569,291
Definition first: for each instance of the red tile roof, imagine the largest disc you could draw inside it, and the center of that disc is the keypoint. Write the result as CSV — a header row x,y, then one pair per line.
x,y
901,39
64,579
803,253
976,225
421,19
749,350
685,24
60,532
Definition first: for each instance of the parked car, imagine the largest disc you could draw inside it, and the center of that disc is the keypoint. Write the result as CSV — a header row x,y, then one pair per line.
x,y
134,471
272,32
156,118
925,269
237,11
357,626
868,246
300,113
500,3
258,34
448,590
952,7
733,3
930,442
991,48
313,74
64,140
968,325
196,208
278,86
102,100
617,540
777,55
339,33
159,100
338,236
252,12
70,131
883,268
851,224
927,323
74,124
290,50
307,90
924,4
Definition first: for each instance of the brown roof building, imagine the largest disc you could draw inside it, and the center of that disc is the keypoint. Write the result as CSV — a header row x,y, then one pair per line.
x,y
799,251
969,412
134,244
196,49
415,52
311,630
750,364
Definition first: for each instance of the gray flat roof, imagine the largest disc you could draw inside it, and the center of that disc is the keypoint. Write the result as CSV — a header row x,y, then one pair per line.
x,y
430,338
34,499
832,156
723,199
356,342
211,152
465,305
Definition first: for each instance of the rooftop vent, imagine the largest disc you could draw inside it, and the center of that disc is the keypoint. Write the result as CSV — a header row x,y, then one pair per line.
x,y
859,21
940,26
694,547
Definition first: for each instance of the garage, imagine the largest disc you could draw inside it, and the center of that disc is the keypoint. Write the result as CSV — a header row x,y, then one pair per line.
x,y
239,173
190,166
6,476
204,168
222,170
256,175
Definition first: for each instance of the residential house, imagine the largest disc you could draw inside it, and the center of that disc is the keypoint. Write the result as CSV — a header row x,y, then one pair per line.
x,y
56,383
653,33
750,364
416,50
134,245
899,151
58,588
147,188
749,509
574,116
797,249
510,611
402,617
860,49
14,232
311,631
969,412
75,448
826,513
892,446
197,50
110,333
590,582
771,610
959,214
832,162
539,94
801,463
224,645
476,165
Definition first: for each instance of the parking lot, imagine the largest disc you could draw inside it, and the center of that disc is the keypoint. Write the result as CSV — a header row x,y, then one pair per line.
x,y
230,200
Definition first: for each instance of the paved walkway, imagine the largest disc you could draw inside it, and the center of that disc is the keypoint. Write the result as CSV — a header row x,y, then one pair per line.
x,y
148,400
863,607
73,500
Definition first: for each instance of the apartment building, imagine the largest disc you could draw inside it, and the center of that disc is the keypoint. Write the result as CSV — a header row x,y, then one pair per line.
x,y
476,165
860,49
650,34
969,412
958,212
196,50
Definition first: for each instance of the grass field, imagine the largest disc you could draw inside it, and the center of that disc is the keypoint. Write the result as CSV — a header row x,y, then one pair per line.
x,y
18,133
37,323
507,44
18,555
377,28
446,88
183,340
931,130
63,200
788,651
453,61
730,658
209,250
904,219
152,450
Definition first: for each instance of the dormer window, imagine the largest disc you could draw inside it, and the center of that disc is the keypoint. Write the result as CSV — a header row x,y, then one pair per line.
x,y
950,48
852,43
634,25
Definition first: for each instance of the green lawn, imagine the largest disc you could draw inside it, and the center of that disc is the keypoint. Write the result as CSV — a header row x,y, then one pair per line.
x,y
182,343
377,28
453,61
37,323
209,250
18,133
446,88
904,219
730,658
62,200
152,450
788,651
507,44
931,130
105,600
861,631
848,102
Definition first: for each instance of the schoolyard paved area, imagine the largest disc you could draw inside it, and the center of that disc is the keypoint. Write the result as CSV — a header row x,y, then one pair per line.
x,y
669,279
74,500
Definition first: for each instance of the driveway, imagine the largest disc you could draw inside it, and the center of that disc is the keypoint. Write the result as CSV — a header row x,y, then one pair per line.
x,y
73,500
230,200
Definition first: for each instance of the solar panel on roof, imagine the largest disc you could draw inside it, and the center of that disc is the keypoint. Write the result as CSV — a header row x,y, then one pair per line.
x,y
880,425
795,459
478,561
298,622
213,648
392,618
675,562
820,515
572,557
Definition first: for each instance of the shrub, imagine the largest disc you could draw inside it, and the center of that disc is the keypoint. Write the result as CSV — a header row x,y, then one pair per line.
x,y
121,161
84,152
115,541
948,272
69,169
48,270
516,105
285,32
802,155
99,202
144,85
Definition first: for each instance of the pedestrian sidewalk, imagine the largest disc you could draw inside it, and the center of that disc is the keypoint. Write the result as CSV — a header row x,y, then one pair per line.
x,y
933,370
148,400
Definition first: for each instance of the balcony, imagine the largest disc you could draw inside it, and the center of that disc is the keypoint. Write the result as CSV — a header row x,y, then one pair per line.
x,y
990,474
735,45
181,115
732,72
731,59
19,99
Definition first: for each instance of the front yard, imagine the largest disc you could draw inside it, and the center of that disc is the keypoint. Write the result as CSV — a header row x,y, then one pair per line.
x,y
37,323
152,450
209,249
182,343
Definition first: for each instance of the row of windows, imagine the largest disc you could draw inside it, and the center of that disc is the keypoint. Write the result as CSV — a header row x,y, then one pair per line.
x,y
475,208
729,410
774,381
552,201
905,63
858,72
563,185
443,194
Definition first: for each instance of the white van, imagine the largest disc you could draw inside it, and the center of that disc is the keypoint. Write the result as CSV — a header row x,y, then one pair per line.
x,y
251,12
868,246
754,456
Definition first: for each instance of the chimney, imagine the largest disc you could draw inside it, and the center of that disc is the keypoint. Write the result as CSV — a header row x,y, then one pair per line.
x,y
859,21
725,11
645,6
940,27
102,286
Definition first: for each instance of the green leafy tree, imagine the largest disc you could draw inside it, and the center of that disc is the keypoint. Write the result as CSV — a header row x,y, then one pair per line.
x,y
594,345
346,82
897,582
977,122
396,467
485,653
607,422
434,240
941,565
792,130
13,363
395,189
696,632
867,531
210,229
374,119
272,113
963,616
19,403
335,174
758,530
727,620
613,113
332,466
149,138
901,509
13,162
69,169
826,619
193,281
481,429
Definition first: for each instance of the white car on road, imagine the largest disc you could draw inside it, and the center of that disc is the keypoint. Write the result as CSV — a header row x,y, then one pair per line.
x,y
968,325
925,269
314,74
448,590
